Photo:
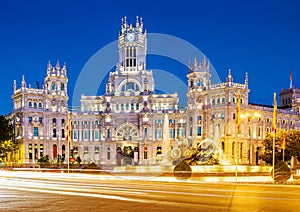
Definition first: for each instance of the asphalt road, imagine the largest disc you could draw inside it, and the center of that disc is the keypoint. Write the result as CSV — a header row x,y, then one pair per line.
x,y
34,191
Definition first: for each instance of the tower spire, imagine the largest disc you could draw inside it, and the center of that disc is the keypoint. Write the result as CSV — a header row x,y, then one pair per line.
x,y
246,79
23,82
229,76
15,85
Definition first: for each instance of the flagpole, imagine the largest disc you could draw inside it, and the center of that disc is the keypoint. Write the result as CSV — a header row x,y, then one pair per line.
x,y
273,161
237,135
274,134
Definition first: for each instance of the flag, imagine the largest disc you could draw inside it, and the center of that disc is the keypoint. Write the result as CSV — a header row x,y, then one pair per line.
x,y
283,142
291,79
238,111
274,114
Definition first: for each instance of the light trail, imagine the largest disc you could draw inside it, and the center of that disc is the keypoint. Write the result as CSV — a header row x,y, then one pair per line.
x,y
69,183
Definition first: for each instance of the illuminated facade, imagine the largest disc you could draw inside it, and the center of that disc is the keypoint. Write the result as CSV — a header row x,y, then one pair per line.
x,y
130,123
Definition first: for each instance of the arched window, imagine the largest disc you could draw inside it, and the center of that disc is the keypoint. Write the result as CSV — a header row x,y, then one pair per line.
x,y
259,132
29,104
53,86
130,86
192,83
108,153
40,105
35,131
63,148
241,150
54,151
35,105
62,86
199,82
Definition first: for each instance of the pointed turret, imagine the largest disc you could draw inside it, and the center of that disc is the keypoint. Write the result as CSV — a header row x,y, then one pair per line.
x,y
229,76
49,67
246,79
57,67
23,84
64,69
15,85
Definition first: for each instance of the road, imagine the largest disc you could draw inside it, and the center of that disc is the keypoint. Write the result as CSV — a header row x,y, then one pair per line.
x,y
35,191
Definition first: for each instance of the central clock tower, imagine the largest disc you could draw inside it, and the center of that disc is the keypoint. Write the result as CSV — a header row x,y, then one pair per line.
x,y
132,45
131,76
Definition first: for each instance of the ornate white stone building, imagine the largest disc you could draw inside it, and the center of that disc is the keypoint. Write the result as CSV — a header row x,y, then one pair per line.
x,y
130,119
40,116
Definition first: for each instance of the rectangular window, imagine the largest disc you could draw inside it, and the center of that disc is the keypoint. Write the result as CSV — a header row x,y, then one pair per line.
x,y
171,133
54,132
241,150
199,131
63,133
127,106
75,136
85,134
35,131
137,106
96,134
30,119
108,133
40,119
191,131
108,155
199,118
158,134
30,151
41,150
132,106
146,132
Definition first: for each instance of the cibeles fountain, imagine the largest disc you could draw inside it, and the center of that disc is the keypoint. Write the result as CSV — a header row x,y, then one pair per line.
x,y
207,152
174,151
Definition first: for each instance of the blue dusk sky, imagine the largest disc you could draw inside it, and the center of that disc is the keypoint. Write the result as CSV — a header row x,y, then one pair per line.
x,y
258,37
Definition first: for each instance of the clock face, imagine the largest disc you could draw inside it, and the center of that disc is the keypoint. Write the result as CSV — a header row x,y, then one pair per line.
x,y
130,37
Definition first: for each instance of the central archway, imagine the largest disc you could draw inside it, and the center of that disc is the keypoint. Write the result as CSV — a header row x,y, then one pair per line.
x,y
127,132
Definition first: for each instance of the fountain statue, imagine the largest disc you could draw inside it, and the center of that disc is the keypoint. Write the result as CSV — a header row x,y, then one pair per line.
x,y
207,152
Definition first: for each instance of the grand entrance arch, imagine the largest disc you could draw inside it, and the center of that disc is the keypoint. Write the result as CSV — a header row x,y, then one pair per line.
x,y
127,144
127,132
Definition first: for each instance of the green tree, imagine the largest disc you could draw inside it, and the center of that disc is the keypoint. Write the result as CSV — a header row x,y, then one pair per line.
x,y
6,129
292,146
6,135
